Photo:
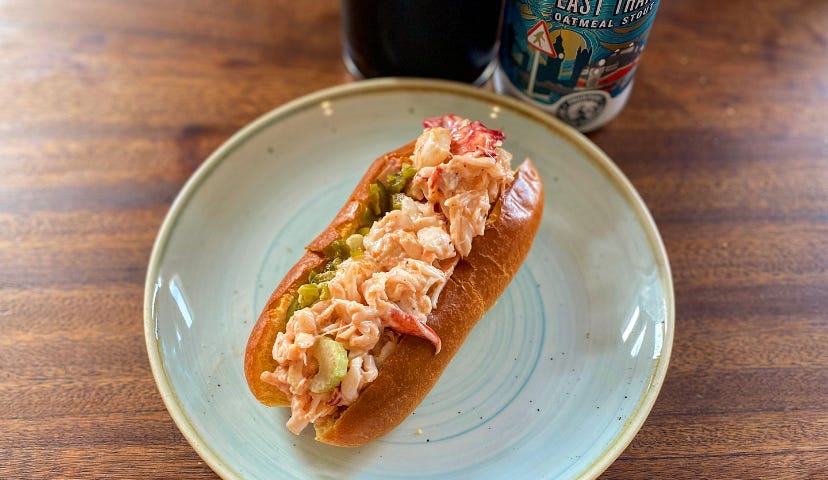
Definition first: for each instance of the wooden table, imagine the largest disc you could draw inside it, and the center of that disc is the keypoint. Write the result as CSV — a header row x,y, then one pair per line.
x,y
107,107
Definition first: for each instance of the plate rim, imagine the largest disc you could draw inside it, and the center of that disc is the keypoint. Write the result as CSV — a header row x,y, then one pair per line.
x,y
162,381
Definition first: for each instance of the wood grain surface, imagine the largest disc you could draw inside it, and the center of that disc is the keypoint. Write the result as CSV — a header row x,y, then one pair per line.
x,y
107,107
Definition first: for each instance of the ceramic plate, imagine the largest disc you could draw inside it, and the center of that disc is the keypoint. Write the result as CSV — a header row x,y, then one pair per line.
x,y
554,381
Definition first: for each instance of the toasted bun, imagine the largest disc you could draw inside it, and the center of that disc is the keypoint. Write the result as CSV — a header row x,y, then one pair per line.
x,y
411,371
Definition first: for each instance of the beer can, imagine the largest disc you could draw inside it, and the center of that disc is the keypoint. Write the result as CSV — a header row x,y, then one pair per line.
x,y
575,59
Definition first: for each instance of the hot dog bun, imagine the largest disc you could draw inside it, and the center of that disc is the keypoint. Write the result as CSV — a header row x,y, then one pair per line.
x,y
411,371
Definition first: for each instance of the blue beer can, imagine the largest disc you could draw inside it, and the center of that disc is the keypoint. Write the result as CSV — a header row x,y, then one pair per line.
x,y
575,59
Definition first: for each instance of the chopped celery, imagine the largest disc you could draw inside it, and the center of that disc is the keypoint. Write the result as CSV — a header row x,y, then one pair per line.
x,y
325,276
354,242
333,364
398,181
308,294
331,265
324,292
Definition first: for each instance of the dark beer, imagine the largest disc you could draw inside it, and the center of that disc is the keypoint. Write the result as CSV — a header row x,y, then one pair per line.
x,y
455,39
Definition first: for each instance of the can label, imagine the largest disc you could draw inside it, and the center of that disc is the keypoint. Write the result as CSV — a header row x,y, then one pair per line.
x,y
575,57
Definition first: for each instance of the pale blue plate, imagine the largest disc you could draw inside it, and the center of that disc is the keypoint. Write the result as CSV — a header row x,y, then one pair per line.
x,y
553,383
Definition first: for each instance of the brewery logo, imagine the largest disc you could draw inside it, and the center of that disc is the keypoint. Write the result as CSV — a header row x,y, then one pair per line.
x,y
580,108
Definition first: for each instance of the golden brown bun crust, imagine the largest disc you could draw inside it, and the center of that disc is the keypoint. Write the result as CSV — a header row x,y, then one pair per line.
x,y
258,356
411,371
